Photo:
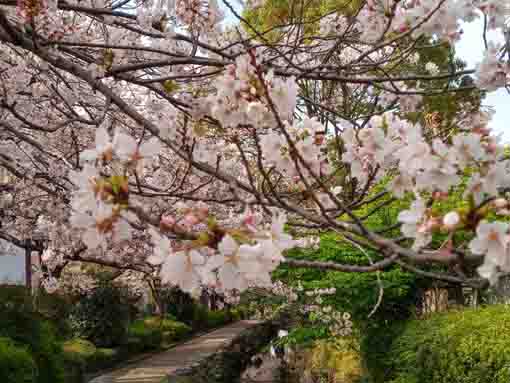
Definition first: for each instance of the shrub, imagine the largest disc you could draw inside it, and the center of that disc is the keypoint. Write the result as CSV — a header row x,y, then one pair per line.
x,y
16,363
20,322
185,309
240,312
199,320
147,337
106,357
179,304
218,318
468,346
56,308
79,352
172,330
102,316
151,332
357,293
82,356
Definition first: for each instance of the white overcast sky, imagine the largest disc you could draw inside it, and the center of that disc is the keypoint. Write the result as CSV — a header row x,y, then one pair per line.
x,y
470,49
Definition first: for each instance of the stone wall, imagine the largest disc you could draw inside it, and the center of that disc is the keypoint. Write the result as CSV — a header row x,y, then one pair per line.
x,y
226,365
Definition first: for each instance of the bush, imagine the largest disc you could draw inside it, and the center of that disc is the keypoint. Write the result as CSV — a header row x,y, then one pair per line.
x,y
79,352
151,332
185,309
102,316
20,322
357,293
469,346
16,363
179,304
218,318
145,337
172,330
240,312
200,320
106,357
82,356
56,308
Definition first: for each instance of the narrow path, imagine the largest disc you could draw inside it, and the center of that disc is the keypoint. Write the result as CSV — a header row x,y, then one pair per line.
x,y
156,368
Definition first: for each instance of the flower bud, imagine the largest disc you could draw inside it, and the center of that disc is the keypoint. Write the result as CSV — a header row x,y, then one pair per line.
x,y
439,195
181,206
431,224
451,220
201,211
47,255
500,203
190,220
167,222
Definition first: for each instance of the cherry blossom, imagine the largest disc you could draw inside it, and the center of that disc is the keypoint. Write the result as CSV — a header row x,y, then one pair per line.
x,y
103,149
492,241
182,269
497,11
432,68
234,263
491,72
146,130
451,220
128,150
103,225
415,224
84,199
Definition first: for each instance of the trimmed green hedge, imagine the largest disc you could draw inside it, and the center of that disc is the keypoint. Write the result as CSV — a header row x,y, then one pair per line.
x,y
468,346
218,318
16,363
152,332
79,352
81,356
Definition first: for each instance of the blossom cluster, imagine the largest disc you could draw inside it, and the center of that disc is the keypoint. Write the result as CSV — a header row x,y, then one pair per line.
x,y
177,117
99,203
218,257
492,240
242,258
244,91
339,323
429,17
428,166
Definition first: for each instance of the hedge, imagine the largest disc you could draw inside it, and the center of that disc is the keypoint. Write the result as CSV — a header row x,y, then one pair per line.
x,y
468,346
16,363
152,332
20,322
218,318
82,356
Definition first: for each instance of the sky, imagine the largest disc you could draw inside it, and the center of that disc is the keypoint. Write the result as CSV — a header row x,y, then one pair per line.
x,y
12,263
470,49
12,268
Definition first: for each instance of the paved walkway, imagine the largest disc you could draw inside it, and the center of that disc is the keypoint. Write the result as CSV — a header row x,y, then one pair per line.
x,y
156,368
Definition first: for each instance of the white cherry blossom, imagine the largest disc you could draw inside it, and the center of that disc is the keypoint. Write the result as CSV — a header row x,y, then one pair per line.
x,y
128,149
182,268
414,224
104,147
492,241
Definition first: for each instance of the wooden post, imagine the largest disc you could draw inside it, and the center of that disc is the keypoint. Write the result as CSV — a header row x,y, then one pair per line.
x,y
28,264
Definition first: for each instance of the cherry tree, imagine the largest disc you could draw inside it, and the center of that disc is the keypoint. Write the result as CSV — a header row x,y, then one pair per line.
x,y
153,136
